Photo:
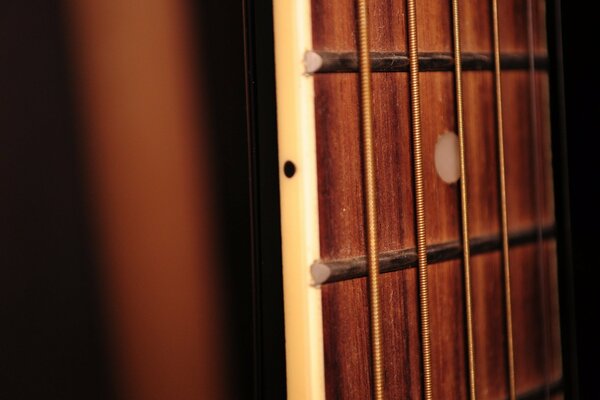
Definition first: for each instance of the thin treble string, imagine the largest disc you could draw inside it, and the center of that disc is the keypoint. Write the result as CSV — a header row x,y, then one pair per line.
x,y
538,185
463,196
503,210
415,95
370,198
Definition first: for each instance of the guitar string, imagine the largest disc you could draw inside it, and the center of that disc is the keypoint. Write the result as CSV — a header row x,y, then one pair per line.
x,y
539,188
415,95
370,198
463,196
503,208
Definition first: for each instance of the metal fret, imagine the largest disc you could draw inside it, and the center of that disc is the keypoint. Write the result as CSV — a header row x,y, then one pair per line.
x,y
340,270
323,62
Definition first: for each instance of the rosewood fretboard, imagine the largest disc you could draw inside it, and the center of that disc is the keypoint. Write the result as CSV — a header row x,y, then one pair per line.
x,y
530,221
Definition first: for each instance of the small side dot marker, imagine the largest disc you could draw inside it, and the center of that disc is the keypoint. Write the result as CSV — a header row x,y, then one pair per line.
x,y
289,169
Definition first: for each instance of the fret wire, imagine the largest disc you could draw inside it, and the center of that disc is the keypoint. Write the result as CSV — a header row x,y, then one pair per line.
x,y
538,181
335,270
463,197
419,196
370,199
503,209
332,62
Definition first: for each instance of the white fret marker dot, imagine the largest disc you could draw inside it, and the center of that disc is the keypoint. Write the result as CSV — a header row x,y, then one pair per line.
x,y
447,162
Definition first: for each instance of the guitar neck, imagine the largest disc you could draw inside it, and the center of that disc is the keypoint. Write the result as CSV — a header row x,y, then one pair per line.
x,y
492,312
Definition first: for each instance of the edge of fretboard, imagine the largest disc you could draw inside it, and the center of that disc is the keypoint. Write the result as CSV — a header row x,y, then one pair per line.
x,y
542,392
335,62
340,270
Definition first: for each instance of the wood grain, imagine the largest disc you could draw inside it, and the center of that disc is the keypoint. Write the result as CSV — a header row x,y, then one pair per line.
x,y
534,285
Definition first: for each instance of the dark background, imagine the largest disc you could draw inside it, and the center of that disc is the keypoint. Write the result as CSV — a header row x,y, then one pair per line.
x,y
52,343
582,86
52,329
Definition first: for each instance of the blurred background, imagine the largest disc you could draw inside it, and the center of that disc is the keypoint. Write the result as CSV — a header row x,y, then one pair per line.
x,y
132,261
125,243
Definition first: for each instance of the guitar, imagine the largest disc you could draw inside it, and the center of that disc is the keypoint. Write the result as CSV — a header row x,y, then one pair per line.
x,y
401,162
436,269
417,192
